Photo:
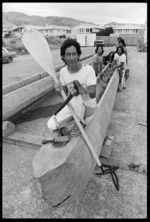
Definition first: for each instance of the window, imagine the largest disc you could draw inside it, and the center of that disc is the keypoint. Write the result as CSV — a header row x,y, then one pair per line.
x,y
80,30
127,31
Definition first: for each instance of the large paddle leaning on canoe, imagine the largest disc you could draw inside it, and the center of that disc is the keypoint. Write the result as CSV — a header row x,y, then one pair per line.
x,y
61,172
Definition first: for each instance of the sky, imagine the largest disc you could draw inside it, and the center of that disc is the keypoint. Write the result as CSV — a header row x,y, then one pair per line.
x,y
97,13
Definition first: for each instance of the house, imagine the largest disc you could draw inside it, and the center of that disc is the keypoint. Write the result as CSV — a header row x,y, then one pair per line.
x,y
85,34
128,29
8,32
52,30
17,32
130,33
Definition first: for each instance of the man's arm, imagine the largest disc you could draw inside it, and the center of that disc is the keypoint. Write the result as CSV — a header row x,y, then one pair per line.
x,y
113,63
118,66
59,87
95,68
92,91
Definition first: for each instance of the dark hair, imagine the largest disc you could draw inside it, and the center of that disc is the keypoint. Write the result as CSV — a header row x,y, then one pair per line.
x,y
98,48
123,42
102,75
118,39
120,48
108,58
67,43
113,54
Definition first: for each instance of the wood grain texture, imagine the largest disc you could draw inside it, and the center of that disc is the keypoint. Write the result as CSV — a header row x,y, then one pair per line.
x,y
17,100
61,184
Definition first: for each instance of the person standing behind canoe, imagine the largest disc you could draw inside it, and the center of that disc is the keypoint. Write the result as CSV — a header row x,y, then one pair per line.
x,y
108,58
118,40
70,53
97,60
120,60
122,43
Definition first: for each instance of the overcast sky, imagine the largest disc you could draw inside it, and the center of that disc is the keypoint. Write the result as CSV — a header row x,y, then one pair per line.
x,y
98,13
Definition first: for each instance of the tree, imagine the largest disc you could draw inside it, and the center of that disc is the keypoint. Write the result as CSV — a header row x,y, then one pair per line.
x,y
110,30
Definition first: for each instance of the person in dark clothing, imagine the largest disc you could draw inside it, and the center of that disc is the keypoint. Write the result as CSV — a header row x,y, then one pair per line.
x,y
108,58
118,40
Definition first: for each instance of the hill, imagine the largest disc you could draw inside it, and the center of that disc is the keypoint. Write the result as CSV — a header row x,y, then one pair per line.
x,y
114,24
11,19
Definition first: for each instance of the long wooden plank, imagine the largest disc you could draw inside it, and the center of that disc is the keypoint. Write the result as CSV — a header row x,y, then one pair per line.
x,y
23,139
62,184
24,82
126,162
19,99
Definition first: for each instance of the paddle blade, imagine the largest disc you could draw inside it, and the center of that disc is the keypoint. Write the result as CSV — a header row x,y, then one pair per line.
x,y
38,47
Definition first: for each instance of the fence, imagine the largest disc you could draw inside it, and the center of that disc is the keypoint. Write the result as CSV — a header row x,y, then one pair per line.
x,y
129,40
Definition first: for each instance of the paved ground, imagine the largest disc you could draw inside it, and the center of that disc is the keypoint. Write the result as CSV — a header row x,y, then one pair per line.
x,y
99,199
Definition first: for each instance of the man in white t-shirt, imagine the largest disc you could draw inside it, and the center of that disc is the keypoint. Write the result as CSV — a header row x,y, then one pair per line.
x,y
74,70
119,62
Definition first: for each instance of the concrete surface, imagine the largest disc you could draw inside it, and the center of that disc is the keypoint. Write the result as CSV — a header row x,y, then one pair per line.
x,y
99,199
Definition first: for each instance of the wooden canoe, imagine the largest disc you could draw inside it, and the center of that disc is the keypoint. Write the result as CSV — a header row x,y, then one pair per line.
x,y
68,168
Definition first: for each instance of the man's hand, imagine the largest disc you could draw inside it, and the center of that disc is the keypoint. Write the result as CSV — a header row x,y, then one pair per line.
x,y
74,92
114,67
58,87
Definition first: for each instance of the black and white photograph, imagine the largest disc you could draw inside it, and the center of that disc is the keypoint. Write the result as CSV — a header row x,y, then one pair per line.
x,y
74,110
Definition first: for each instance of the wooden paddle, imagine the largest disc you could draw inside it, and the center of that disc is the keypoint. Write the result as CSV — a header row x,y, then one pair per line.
x,y
36,44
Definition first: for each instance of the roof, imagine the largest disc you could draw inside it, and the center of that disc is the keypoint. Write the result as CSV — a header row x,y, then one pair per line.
x,y
128,26
48,27
90,26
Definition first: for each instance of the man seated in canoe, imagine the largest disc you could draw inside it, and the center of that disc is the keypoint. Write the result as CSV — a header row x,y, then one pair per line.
x,y
120,60
84,104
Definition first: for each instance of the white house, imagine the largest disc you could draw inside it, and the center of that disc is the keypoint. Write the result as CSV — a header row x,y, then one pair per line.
x,y
127,29
85,34
52,30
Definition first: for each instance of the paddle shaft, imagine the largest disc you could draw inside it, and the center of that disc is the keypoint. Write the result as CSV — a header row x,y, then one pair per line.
x,y
67,100
105,68
82,131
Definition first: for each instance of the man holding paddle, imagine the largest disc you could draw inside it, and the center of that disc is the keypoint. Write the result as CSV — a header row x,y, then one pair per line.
x,y
85,78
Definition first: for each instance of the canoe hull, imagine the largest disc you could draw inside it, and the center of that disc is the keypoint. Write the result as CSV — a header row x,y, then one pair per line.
x,y
63,184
